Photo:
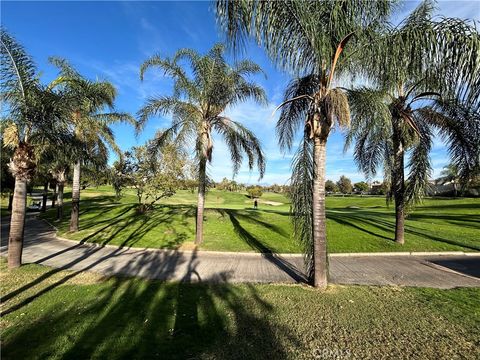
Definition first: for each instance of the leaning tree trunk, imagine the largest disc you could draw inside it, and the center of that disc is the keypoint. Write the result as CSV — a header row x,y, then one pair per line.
x,y
320,277
61,186
202,179
398,188
44,197
74,217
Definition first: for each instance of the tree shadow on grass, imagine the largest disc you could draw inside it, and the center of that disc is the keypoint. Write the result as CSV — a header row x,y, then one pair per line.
x,y
252,217
465,220
270,211
274,258
131,227
450,206
365,221
409,229
130,318
358,222
93,256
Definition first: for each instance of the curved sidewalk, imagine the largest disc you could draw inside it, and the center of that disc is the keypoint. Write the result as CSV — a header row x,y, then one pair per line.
x,y
43,247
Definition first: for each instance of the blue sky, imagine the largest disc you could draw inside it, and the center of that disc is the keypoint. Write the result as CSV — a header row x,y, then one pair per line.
x,y
110,39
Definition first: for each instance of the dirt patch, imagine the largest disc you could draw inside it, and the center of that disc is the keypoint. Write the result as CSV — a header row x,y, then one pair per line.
x,y
189,245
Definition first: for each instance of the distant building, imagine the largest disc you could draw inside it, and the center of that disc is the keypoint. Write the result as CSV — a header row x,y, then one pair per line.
x,y
376,187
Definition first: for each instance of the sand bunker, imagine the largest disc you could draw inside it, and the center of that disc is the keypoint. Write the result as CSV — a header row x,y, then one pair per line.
x,y
273,203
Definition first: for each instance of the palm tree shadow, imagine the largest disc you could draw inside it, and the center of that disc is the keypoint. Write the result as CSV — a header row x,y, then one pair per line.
x,y
364,221
131,318
255,244
354,221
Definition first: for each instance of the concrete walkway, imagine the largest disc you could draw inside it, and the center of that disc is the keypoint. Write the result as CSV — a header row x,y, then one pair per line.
x,y
43,247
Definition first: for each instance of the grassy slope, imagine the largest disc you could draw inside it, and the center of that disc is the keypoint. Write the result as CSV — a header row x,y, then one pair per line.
x,y
354,224
58,314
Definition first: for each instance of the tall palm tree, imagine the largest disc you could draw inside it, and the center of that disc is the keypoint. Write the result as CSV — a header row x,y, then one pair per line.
x,y
428,77
197,107
87,101
309,39
34,117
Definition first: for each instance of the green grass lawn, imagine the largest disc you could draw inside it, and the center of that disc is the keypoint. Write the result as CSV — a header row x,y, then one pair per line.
x,y
354,224
67,315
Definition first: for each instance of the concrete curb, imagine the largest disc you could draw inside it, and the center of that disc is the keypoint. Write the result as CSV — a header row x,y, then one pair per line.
x,y
286,255
408,253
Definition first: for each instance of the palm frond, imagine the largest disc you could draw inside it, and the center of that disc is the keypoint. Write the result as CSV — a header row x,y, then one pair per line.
x,y
459,127
301,198
18,80
159,106
294,113
66,69
440,54
420,168
115,117
17,69
371,128
338,105
241,140
298,35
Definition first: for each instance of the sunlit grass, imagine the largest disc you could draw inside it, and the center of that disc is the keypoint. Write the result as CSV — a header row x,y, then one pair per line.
x,y
354,224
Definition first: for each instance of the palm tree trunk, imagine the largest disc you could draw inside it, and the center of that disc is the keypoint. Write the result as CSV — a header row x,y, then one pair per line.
x,y
319,219
17,223
54,196
60,201
74,217
44,197
201,200
398,187
10,201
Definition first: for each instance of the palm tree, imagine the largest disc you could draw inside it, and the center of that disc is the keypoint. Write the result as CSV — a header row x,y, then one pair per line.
x,y
57,164
91,126
34,118
384,138
416,97
59,172
450,174
308,38
197,107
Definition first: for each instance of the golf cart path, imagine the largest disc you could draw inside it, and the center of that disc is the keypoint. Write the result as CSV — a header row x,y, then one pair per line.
x,y
43,247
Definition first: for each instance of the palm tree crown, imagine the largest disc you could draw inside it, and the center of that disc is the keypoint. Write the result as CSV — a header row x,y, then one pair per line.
x,y
87,101
197,104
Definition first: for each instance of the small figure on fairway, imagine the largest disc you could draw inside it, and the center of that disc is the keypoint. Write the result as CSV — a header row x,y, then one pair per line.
x,y
255,204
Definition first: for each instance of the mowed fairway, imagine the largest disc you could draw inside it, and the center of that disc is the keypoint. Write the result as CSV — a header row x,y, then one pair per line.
x,y
355,224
